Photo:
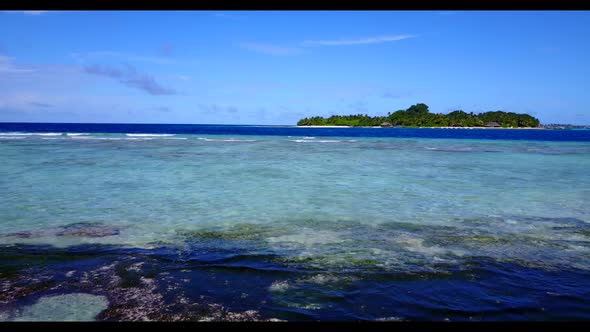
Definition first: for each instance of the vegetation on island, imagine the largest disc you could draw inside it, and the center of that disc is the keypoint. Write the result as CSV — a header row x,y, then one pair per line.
x,y
419,116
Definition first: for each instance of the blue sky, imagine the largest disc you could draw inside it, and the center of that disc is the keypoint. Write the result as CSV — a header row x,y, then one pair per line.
x,y
275,67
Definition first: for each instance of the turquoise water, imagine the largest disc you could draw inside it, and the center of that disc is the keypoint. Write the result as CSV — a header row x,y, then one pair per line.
x,y
329,204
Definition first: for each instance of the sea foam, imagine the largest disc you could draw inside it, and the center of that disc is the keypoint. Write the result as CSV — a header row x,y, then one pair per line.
x,y
29,134
225,140
150,135
313,141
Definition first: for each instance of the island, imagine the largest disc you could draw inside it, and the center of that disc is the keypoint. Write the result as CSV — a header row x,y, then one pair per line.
x,y
419,116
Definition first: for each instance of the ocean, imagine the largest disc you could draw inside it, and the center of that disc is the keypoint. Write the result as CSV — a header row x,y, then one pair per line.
x,y
240,223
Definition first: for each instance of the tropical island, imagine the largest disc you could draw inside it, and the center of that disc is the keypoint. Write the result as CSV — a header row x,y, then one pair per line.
x,y
419,116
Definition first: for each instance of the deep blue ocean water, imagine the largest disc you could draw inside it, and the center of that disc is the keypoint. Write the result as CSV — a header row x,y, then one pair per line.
x,y
215,222
515,134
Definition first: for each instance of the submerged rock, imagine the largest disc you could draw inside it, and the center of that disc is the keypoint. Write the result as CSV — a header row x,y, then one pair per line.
x,y
68,307
81,229
23,235
247,232
87,230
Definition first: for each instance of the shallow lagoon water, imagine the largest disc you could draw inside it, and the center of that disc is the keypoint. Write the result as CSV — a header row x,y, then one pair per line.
x,y
298,227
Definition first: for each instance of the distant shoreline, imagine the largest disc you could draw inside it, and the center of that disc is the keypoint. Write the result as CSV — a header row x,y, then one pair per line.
x,y
527,128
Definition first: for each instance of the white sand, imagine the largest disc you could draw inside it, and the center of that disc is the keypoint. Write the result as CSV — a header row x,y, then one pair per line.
x,y
323,126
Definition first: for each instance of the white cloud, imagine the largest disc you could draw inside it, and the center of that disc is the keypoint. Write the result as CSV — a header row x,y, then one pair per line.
x,y
227,16
27,12
362,41
34,12
7,66
93,56
270,49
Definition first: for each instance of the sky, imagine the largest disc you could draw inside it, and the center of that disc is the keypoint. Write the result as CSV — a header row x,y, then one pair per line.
x,y
276,67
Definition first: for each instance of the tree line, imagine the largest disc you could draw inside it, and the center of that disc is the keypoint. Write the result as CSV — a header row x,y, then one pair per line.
x,y
419,116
